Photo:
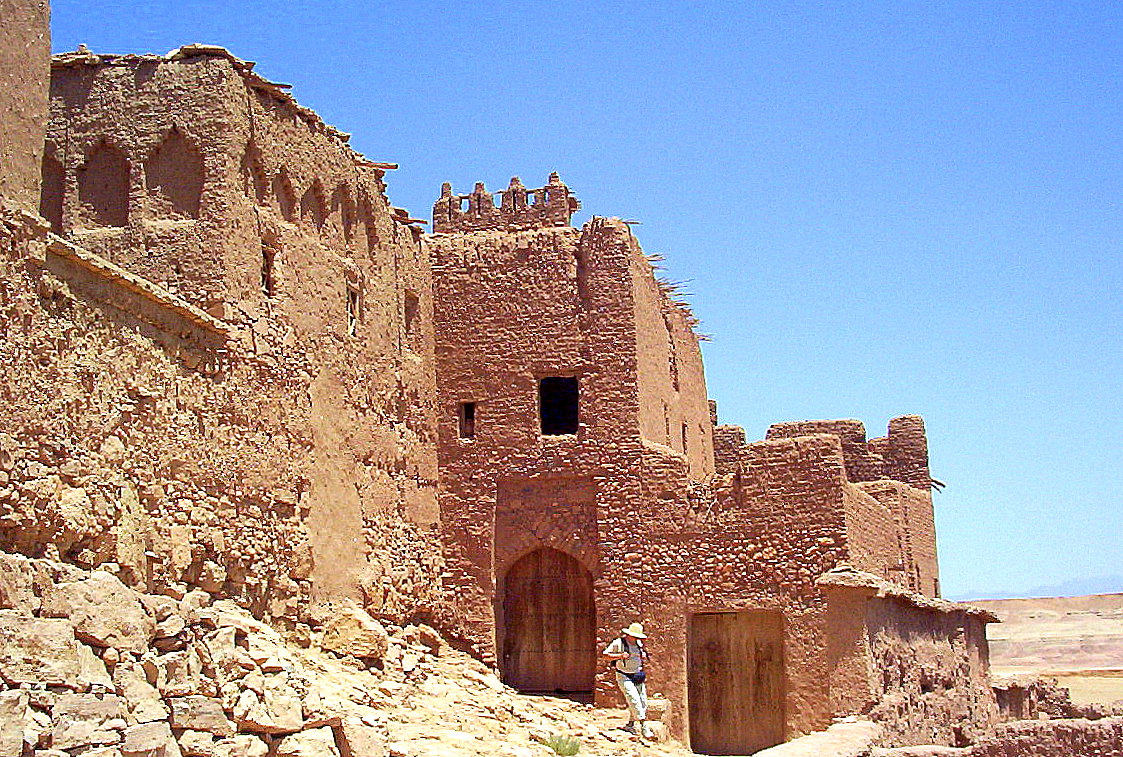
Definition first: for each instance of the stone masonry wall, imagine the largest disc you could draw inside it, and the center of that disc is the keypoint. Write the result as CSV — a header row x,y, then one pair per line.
x,y
757,542
894,536
25,49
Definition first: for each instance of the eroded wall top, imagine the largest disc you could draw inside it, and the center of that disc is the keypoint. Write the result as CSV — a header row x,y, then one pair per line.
x,y
25,49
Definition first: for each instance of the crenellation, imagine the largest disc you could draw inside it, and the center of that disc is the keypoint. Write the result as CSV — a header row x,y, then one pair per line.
x,y
518,207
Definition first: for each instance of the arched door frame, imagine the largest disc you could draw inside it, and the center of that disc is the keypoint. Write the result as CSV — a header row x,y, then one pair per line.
x,y
503,623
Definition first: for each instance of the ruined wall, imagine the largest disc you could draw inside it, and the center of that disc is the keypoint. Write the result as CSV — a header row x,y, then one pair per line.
x,y
915,665
673,406
25,49
1034,738
933,682
289,464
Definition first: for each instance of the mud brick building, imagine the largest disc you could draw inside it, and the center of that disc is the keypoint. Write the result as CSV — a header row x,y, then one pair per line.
x,y
232,384
232,365
584,485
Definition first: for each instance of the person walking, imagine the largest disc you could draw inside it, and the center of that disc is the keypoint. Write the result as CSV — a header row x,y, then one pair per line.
x,y
629,657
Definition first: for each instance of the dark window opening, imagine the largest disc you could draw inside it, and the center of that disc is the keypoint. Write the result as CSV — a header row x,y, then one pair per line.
x,y
684,433
352,311
467,420
557,405
269,268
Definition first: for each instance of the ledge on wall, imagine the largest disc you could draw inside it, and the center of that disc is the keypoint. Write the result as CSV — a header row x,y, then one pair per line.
x,y
154,293
845,577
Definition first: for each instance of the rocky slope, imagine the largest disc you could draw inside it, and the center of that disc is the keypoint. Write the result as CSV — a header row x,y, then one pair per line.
x,y
93,668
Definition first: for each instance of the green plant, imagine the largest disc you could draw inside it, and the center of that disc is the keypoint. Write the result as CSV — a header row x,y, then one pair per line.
x,y
563,744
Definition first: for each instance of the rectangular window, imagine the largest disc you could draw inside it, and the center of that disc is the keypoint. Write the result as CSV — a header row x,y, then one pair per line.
x,y
467,420
353,314
557,405
684,433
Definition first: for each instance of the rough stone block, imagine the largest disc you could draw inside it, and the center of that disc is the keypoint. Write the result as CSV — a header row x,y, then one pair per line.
x,y
37,650
242,745
82,720
199,713
16,586
197,744
357,739
149,740
315,742
103,611
143,699
353,632
13,709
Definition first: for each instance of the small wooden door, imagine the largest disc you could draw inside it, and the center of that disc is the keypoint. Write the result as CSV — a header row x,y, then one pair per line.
x,y
549,622
735,682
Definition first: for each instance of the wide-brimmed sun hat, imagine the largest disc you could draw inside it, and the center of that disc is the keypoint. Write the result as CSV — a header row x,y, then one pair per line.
x,y
635,630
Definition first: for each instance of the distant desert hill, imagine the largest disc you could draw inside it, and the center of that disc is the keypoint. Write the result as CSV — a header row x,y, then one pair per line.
x,y
1078,640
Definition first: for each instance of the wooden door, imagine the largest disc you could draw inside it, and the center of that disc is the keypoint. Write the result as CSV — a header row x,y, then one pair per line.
x,y
735,682
549,624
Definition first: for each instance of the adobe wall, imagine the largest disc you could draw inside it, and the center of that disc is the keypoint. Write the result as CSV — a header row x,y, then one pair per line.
x,y
934,684
757,542
915,665
673,405
25,51
511,308
291,465
894,535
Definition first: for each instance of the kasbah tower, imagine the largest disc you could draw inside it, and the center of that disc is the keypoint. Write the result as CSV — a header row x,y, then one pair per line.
x,y
233,366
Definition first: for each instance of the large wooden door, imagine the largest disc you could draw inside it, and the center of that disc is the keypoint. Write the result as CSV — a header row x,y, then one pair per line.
x,y
549,625
735,681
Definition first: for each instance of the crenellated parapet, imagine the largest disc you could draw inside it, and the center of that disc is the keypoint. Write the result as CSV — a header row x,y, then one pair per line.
x,y
513,208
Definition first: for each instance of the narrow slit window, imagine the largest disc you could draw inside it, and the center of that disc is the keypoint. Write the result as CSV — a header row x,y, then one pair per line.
x,y
685,431
353,314
557,405
467,420
268,269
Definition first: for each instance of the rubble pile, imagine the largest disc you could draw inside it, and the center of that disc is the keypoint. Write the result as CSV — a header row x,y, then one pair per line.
x,y
92,668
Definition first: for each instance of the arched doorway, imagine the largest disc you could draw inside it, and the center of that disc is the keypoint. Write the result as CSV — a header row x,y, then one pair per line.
x,y
549,626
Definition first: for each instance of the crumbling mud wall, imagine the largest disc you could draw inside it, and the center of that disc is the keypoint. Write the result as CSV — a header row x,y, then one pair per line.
x,y
217,391
25,50
1033,738
917,666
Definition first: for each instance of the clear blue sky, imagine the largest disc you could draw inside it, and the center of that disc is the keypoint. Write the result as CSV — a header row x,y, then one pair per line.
x,y
882,208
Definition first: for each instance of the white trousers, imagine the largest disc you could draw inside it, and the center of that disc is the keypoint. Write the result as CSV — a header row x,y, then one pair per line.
x,y
635,694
